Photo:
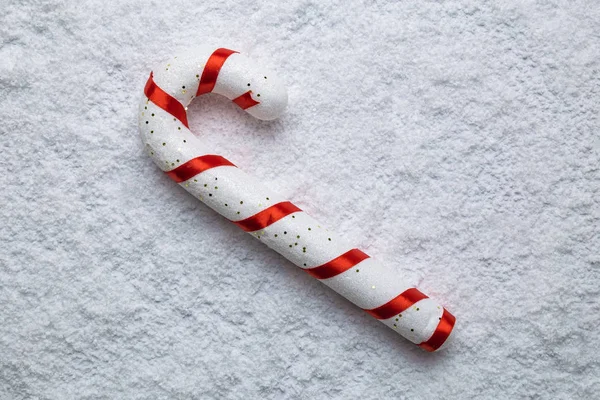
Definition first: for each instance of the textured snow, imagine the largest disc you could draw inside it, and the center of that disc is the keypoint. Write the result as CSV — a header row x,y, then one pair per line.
x,y
457,141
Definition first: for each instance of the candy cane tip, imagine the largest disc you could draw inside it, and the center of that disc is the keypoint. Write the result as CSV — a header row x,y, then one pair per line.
x,y
272,98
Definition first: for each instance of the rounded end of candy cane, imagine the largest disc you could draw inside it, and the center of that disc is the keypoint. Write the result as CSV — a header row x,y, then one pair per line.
x,y
265,95
272,98
442,333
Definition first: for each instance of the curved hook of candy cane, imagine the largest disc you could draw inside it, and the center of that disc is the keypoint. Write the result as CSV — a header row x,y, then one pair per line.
x,y
255,208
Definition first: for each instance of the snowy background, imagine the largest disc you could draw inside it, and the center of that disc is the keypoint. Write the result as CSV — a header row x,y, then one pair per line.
x,y
456,140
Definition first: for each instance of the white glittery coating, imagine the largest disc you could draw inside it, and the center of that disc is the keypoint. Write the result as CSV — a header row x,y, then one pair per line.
x,y
237,196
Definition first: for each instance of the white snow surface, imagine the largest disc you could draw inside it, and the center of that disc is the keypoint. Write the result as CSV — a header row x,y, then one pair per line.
x,y
457,141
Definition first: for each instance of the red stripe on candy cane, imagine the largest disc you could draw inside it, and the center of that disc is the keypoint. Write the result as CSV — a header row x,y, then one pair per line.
x,y
398,304
165,101
245,100
441,333
197,165
267,216
211,70
338,265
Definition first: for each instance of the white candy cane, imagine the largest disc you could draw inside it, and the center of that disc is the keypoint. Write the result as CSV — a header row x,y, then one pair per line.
x,y
249,204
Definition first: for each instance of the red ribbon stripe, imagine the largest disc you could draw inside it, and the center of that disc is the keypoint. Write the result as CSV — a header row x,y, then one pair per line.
x,y
197,165
211,70
245,100
338,265
267,216
165,101
398,304
441,333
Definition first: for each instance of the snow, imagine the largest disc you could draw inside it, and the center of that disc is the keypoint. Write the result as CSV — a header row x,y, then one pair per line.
x,y
455,140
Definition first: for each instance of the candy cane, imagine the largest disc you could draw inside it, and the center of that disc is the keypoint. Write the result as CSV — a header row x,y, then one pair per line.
x,y
247,203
